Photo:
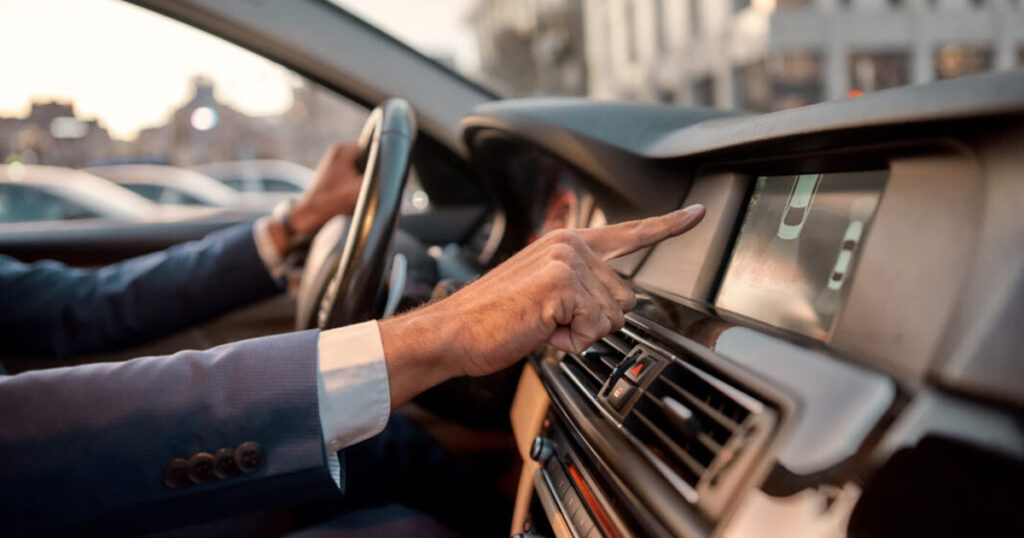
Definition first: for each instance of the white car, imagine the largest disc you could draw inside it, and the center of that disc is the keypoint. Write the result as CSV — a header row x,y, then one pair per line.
x,y
171,185
33,193
265,181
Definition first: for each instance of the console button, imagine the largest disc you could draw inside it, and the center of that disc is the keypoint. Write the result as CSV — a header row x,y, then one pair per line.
x,y
639,369
572,503
620,394
581,520
542,449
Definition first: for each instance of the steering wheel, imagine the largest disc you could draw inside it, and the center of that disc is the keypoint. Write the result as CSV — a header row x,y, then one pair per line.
x,y
345,266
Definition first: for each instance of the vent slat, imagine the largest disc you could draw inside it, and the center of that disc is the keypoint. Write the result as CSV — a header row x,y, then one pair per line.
x,y
710,443
583,376
703,437
610,362
676,450
704,406
598,375
620,342
656,413
713,427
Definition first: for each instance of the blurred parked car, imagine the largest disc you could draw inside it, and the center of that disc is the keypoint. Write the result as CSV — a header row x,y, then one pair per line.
x,y
52,212
30,193
260,180
172,185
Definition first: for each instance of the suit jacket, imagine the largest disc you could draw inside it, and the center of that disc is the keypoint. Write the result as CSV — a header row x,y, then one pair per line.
x,y
48,309
124,447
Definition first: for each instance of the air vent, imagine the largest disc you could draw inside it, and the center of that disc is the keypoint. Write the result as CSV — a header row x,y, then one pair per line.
x,y
695,427
593,368
686,418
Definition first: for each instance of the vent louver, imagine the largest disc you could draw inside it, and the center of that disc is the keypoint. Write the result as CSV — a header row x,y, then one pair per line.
x,y
692,425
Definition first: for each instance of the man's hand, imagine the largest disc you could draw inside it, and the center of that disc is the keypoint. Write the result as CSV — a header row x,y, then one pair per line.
x,y
334,191
559,290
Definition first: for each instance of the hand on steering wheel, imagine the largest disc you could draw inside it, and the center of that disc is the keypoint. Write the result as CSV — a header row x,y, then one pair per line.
x,y
345,268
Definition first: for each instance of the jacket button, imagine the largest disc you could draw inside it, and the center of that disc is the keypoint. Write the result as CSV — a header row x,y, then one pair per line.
x,y
224,465
176,474
200,468
249,456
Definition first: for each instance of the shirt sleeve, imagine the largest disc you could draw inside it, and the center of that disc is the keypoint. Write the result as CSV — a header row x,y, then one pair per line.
x,y
268,253
352,388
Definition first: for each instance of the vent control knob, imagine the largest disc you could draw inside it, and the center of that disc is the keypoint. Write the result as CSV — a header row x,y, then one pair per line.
x,y
542,449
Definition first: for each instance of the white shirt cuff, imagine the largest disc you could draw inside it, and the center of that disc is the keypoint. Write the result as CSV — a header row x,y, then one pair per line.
x,y
352,388
265,248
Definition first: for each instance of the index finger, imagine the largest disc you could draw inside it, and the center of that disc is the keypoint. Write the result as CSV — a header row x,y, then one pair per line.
x,y
624,238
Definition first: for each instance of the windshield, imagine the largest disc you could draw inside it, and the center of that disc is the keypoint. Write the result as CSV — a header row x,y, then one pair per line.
x,y
758,55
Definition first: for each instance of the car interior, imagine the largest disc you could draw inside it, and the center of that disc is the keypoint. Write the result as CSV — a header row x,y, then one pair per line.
x,y
835,350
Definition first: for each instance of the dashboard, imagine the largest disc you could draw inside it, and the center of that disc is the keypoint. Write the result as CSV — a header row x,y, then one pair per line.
x,y
810,359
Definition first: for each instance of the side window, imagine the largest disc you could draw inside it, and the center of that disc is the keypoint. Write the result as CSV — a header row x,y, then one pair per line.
x,y
278,185
22,203
179,197
147,191
235,183
179,97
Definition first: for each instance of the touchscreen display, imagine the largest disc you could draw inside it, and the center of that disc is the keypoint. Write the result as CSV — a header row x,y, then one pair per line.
x,y
797,246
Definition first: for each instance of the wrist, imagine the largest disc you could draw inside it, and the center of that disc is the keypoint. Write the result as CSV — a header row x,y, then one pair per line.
x,y
415,353
291,226
304,218
279,237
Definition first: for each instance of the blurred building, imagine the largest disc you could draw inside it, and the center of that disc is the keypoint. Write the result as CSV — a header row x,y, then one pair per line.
x,y
205,130
200,130
824,49
771,54
52,133
317,119
690,52
531,47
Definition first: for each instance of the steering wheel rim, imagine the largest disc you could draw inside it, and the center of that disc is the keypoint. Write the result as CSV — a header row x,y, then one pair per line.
x,y
350,294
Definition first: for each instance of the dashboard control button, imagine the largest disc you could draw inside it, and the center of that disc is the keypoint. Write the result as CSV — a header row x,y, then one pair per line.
x,y
542,449
557,477
572,503
640,368
562,487
581,520
620,394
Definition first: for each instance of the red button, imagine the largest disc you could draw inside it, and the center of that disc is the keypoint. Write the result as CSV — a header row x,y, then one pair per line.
x,y
639,370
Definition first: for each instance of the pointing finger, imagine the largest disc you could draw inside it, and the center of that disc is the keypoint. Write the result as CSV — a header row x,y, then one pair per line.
x,y
620,239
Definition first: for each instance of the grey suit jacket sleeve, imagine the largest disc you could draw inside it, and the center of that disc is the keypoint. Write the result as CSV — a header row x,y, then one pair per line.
x,y
84,449
50,310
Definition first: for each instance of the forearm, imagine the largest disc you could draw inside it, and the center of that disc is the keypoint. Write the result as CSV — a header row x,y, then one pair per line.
x,y
416,353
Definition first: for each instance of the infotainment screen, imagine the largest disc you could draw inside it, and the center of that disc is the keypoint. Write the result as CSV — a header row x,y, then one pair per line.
x,y
797,246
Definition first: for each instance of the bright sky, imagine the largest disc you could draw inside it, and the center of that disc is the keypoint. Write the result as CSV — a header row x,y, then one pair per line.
x,y
130,68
